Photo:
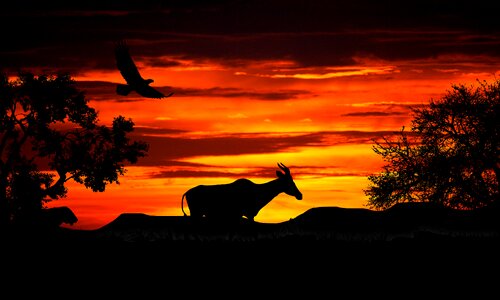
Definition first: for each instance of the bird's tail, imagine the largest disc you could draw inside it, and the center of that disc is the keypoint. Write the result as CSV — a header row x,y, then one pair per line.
x,y
123,89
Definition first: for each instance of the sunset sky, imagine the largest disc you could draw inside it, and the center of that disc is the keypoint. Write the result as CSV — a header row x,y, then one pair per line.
x,y
310,84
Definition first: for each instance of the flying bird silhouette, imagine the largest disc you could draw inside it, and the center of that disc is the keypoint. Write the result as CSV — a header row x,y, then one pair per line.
x,y
131,74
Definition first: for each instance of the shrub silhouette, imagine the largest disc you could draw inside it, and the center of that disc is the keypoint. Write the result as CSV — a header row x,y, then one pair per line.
x,y
38,155
451,156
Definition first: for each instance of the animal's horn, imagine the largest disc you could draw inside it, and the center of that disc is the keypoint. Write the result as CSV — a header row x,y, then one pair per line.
x,y
284,168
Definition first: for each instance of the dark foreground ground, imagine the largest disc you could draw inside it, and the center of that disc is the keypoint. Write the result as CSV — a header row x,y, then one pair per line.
x,y
420,247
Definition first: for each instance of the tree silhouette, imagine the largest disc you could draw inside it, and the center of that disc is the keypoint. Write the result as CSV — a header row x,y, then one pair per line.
x,y
450,157
49,135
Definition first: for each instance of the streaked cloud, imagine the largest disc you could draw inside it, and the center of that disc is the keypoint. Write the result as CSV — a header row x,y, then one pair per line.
x,y
239,93
167,149
264,172
189,174
374,114
106,91
328,75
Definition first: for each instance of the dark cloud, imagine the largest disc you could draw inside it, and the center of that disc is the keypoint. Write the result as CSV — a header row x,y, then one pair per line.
x,y
106,91
161,63
208,173
213,171
103,90
331,138
374,114
80,36
157,131
238,93
391,106
168,150
174,148
99,90
265,172
189,174
178,163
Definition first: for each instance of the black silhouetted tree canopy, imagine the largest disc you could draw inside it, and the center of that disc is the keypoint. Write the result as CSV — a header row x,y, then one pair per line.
x,y
450,157
49,135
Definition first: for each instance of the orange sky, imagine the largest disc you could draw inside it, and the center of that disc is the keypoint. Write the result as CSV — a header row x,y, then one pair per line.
x,y
332,121
306,83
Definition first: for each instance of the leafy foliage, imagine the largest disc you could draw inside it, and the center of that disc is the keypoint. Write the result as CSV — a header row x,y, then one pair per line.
x,y
49,135
451,156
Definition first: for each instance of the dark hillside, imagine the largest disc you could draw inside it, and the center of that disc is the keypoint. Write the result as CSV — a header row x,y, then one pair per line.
x,y
404,221
321,247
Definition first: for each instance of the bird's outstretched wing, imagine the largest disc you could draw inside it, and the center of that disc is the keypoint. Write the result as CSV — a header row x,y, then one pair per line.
x,y
149,92
131,74
126,65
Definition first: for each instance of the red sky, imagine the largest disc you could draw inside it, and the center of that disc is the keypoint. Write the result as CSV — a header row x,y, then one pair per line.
x,y
309,84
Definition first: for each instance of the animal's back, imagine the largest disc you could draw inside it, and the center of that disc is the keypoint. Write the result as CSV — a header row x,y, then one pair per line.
x,y
220,200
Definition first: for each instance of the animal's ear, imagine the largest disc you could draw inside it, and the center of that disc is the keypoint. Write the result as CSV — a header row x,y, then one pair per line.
x,y
280,174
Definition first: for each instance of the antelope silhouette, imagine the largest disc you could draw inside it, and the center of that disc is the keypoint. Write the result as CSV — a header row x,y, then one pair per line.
x,y
241,198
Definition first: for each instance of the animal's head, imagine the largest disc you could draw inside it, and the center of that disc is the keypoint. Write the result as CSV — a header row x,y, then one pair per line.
x,y
288,183
148,81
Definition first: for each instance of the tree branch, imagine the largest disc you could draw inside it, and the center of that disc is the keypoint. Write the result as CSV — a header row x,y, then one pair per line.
x,y
57,188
